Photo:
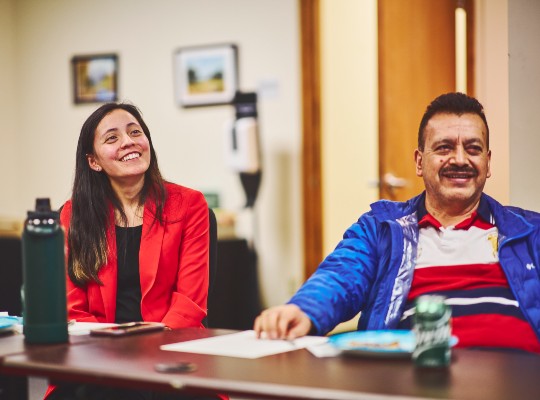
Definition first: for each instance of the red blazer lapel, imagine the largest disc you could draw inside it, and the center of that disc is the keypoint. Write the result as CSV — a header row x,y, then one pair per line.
x,y
108,275
150,250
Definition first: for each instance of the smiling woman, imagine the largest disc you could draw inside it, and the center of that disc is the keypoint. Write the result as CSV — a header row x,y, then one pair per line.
x,y
122,151
137,245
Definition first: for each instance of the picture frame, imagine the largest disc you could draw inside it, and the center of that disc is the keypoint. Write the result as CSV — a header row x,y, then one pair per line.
x,y
95,78
206,75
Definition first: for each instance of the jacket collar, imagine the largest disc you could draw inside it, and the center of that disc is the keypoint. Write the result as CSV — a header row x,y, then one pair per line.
x,y
510,221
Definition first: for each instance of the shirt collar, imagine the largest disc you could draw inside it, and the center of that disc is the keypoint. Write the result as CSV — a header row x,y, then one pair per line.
x,y
483,211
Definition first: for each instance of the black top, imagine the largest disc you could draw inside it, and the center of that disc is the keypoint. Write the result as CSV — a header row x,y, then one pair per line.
x,y
128,294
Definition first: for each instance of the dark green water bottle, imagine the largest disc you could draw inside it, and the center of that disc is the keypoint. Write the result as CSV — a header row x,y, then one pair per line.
x,y
44,303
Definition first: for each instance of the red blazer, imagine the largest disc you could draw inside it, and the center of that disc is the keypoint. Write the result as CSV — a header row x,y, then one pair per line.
x,y
173,261
173,267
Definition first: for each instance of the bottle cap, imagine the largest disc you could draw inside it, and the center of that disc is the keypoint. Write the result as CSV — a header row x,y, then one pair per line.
x,y
43,210
43,205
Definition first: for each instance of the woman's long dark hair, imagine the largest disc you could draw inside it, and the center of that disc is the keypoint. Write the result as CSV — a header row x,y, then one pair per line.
x,y
93,196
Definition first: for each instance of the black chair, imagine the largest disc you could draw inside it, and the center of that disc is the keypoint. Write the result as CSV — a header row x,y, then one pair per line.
x,y
10,275
11,388
212,262
234,301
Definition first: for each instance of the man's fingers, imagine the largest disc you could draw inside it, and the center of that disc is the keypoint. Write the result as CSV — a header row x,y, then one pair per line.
x,y
282,322
267,323
301,328
257,327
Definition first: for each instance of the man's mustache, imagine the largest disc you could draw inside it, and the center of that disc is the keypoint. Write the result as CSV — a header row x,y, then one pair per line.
x,y
453,169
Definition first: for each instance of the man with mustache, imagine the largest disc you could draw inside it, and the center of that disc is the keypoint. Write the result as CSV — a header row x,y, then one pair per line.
x,y
452,240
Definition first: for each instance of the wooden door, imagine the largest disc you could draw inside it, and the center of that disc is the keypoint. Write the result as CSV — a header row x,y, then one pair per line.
x,y
416,64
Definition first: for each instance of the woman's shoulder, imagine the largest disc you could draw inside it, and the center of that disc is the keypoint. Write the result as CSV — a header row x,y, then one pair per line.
x,y
66,207
181,197
65,212
176,192
174,188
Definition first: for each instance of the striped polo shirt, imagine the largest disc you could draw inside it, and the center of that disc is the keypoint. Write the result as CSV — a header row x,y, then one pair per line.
x,y
461,263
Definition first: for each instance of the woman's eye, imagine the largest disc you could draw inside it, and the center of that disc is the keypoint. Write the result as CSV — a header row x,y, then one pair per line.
x,y
110,139
136,132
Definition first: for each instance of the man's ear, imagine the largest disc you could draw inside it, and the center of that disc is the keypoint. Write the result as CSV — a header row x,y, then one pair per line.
x,y
489,164
418,157
92,162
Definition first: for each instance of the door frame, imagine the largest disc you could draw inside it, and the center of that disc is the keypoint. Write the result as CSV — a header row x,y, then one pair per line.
x,y
311,135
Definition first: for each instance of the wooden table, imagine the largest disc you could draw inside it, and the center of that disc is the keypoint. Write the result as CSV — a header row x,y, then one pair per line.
x,y
16,388
130,361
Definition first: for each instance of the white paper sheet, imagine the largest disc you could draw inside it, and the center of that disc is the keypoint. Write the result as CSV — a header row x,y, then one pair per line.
x,y
243,345
83,328
74,328
324,350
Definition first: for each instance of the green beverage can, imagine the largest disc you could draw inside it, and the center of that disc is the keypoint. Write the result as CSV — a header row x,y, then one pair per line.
x,y
432,332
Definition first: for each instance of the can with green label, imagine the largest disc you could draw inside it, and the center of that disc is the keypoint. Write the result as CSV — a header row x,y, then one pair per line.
x,y
432,332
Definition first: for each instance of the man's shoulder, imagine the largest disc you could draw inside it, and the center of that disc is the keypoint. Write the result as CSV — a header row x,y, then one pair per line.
x,y
389,210
512,215
529,215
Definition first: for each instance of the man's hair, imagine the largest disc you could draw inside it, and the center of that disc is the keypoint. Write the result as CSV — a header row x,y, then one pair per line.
x,y
451,103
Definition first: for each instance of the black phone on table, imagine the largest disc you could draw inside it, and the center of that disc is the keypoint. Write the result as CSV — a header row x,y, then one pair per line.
x,y
129,328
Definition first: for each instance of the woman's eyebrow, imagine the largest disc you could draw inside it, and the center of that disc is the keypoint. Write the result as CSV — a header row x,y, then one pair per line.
x,y
109,131
133,124
116,129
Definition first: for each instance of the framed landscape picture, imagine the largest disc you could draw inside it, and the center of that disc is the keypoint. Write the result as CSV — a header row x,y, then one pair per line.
x,y
206,75
95,78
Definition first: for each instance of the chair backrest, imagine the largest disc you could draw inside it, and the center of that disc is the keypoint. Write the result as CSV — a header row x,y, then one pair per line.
x,y
212,255
10,275
212,263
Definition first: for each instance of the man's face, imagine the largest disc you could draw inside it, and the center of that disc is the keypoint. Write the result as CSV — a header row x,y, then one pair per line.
x,y
455,161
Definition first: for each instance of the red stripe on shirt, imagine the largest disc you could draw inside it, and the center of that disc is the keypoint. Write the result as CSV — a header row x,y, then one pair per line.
x,y
486,330
456,277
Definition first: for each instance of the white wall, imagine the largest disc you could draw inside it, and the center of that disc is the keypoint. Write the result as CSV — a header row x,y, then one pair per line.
x,y
492,89
524,76
508,84
144,34
9,174
349,105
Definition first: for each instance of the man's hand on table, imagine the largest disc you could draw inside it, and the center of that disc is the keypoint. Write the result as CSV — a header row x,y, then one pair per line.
x,y
282,322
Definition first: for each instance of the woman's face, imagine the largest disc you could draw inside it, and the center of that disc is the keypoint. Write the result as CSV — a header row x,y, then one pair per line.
x,y
121,149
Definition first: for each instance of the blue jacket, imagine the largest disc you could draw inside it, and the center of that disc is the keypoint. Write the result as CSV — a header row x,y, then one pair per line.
x,y
371,269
